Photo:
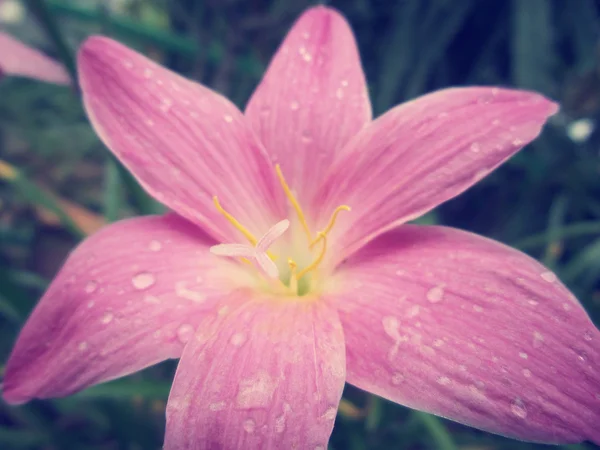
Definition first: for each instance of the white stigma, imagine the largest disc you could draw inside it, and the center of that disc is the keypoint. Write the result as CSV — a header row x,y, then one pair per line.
x,y
257,254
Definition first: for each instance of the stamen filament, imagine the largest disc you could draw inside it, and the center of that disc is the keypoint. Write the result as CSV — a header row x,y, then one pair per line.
x,y
235,223
293,201
331,223
316,262
293,276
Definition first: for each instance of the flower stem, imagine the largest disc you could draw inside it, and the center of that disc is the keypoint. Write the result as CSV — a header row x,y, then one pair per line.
x,y
48,22
437,430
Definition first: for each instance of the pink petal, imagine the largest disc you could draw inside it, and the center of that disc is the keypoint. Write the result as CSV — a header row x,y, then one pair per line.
x,y
19,59
127,298
464,327
425,152
313,98
264,374
183,142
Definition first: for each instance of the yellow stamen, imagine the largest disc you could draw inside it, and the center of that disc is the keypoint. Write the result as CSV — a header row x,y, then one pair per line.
x,y
293,276
316,262
293,201
331,223
235,223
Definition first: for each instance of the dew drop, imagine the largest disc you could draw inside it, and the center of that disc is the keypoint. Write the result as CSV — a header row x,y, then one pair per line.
x,y
280,424
414,311
238,339
523,355
538,339
306,137
107,318
436,294
496,122
90,286
147,73
143,280
127,64
166,104
228,118
249,425
82,346
527,373
339,93
550,277
444,381
518,408
182,291
475,147
344,83
184,333
397,378
477,308
155,246
217,406
517,142
294,106
587,335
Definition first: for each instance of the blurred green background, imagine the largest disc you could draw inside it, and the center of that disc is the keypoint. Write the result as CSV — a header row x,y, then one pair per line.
x,y
545,201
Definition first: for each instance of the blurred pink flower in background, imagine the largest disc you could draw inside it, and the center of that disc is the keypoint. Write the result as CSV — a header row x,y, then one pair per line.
x,y
18,59
427,316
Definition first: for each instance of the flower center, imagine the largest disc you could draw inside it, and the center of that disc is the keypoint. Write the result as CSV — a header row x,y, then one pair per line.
x,y
295,280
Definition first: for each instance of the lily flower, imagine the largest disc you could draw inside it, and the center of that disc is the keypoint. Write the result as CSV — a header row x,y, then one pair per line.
x,y
308,183
18,59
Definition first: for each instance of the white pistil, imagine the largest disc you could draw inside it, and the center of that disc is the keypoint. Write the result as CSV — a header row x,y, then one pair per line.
x,y
257,254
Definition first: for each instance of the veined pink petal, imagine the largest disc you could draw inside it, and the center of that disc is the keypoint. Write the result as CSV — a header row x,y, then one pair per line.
x,y
19,59
266,374
128,297
423,153
313,98
464,327
183,142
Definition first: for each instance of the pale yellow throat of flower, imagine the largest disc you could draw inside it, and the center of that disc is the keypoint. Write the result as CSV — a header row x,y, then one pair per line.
x,y
298,283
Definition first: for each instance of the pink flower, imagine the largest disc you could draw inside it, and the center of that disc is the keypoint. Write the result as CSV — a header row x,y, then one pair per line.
x,y
427,316
18,59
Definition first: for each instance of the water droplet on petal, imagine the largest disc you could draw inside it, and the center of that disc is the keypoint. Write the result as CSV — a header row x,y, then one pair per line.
x,y
107,318
182,291
518,408
523,355
587,335
82,346
238,339
435,294
249,425
280,424
339,93
475,147
397,378
143,280
527,373
147,73
538,339
294,106
90,286
550,277
517,142
444,381
155,246
184,333
228,118
217,406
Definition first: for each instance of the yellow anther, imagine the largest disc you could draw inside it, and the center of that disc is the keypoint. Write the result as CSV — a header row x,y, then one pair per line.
x,y
293,201
319,259
331,223
235,223
293,276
